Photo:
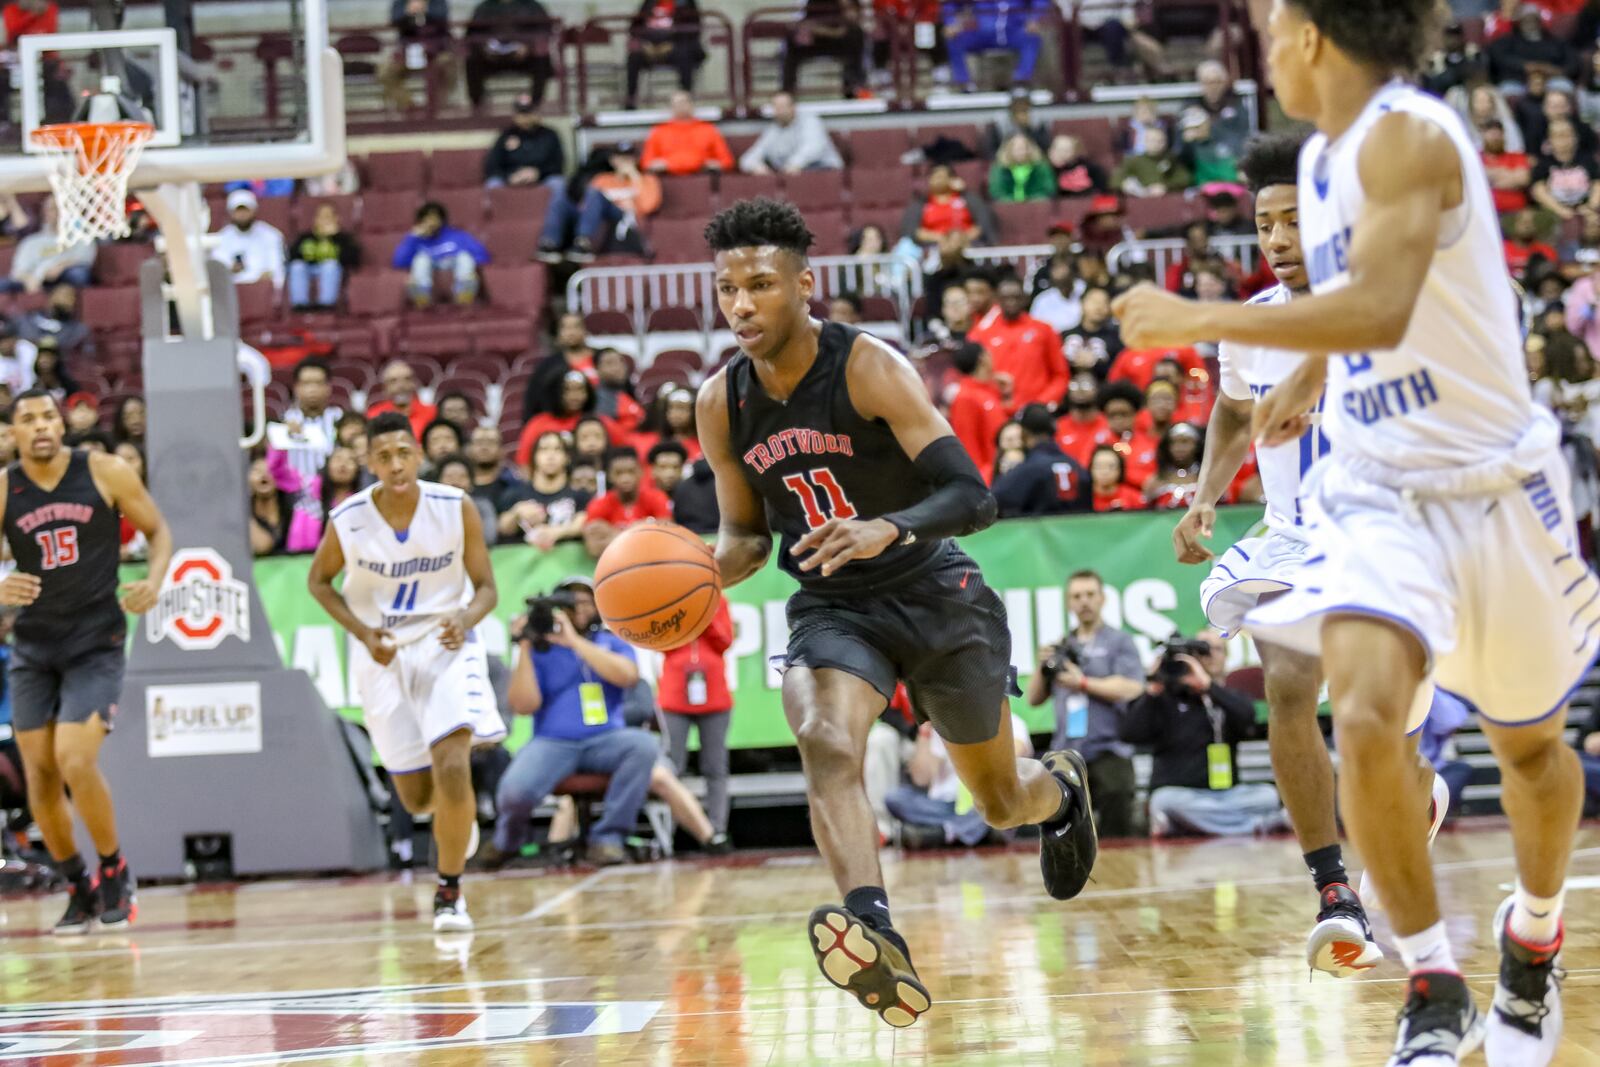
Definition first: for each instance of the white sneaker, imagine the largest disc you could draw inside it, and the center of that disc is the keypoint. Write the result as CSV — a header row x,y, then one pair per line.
x,y
1440,808
1525,1021
1341,943
450,916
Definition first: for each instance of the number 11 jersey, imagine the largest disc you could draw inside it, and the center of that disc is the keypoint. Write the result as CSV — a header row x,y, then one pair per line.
x,y
815,458
405,581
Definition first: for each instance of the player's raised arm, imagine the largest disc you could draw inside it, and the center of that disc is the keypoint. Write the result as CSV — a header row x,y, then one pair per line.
x,y
453,632
129,496
883,386
743,539
1411,174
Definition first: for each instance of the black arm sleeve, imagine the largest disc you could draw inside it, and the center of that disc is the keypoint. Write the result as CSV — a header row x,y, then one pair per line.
x,y
959,504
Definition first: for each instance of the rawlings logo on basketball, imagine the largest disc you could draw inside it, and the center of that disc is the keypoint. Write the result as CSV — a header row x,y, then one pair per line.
x,y
659,628
201,603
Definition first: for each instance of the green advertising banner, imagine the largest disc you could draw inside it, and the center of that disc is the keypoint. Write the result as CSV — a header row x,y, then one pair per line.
x,y
1025,560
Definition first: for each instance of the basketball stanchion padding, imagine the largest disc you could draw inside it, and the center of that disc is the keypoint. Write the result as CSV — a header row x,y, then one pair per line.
x,y
657,586
90,163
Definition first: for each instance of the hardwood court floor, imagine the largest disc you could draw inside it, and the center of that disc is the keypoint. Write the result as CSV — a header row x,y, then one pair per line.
x,y
1177,954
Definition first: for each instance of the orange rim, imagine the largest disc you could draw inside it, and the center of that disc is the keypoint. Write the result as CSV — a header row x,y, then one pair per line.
x,y
99,146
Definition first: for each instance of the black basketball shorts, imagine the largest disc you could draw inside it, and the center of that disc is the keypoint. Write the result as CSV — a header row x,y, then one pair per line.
x,y
67,681
943,633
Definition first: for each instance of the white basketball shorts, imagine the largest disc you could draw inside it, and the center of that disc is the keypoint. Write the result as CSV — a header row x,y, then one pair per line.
x,y
1250,570
425,694
1492,585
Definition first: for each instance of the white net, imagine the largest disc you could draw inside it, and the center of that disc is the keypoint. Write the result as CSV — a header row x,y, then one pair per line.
x,y
90,165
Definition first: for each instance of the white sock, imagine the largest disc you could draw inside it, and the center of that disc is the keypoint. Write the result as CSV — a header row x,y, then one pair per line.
x,y
1428,950
1536,920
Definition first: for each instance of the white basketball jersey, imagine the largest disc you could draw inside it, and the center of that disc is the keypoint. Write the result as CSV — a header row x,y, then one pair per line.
x,y
1455,392
1250,372
404,581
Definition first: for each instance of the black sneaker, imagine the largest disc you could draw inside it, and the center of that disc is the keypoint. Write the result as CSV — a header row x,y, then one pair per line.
x,y
82,906
1439,1023
1067,850
1525,1024
1341,943
118,904
872,967
719,845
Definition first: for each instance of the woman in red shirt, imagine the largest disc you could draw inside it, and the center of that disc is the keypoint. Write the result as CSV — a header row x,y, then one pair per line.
x,y
694,693
1177,467
1105,477
671,419
574,402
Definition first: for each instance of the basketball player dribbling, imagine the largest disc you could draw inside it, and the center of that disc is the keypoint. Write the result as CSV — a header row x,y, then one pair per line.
x,y
417,582
827,436
1258,569
61,519
1441,525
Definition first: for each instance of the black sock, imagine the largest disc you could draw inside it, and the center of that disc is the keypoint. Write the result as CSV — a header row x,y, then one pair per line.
x,y
1064,812
450,883
71,868
108,864
870,904
1327,866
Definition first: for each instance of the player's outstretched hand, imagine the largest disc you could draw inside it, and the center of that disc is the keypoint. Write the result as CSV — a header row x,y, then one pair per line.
x,y
139,597
838,541
453,632
381,646
19,590
1197,525
1151,317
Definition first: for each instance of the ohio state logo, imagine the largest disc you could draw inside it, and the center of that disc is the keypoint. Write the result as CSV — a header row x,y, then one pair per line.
x,y
201,602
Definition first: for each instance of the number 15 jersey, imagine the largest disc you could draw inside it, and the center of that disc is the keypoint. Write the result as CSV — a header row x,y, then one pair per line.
x,y
405,581
815,458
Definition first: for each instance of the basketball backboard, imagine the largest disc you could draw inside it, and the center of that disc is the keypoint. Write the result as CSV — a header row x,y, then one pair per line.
x,y
234,90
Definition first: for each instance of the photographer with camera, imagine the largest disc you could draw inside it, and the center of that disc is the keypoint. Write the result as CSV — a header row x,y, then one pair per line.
x,y
1192,723
1090,676
571,677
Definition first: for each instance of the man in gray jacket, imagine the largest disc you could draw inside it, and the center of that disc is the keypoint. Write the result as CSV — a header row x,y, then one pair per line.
x,y
792,143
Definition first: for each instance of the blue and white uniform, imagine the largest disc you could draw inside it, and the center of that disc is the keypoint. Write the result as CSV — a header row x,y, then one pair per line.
x,y
409,582
1445,504
1257,566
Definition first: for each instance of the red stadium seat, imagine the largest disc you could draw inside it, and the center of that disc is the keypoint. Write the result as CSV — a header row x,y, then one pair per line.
x,y
732,188
815,190
465,208
459,168
685,196
878,148
673,318
258,301
378,292
519,203
880,186
116,262
966,133
502,335
405,171
511,241
679,240
516,287
1024,224
112,309
385,211
1161,212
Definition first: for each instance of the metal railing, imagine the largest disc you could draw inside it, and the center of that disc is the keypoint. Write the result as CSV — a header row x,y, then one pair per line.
x,y
636,291
1162,253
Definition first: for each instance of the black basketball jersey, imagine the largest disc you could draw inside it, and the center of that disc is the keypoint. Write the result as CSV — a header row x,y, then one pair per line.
x,y
815,458
70,538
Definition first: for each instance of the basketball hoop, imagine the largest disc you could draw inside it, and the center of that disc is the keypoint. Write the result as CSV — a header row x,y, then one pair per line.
x,y
90,163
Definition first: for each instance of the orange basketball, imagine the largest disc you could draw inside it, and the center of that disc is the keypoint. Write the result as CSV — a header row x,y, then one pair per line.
x,y
657,586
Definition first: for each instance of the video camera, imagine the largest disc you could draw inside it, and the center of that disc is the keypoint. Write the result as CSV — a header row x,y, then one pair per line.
x,y
1170,670
541,622
1067,650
